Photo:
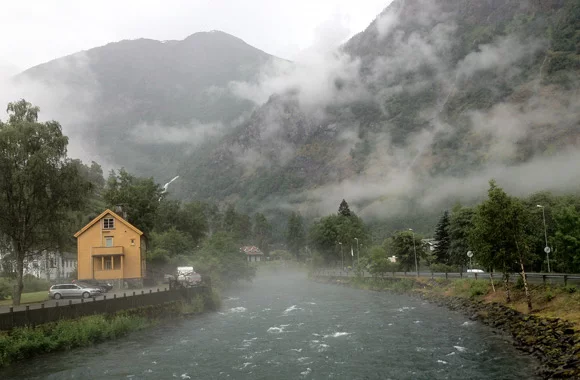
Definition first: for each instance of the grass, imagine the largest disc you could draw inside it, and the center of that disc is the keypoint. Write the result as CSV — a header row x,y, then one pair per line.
x,y
28,298
548,301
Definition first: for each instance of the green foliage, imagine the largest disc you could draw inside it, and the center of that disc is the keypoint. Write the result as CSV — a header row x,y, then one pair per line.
x,y
442,238
23,343
549,295
34,284
5,288
334,235
570,289
295,238
262,232
402,245
39,185
138,197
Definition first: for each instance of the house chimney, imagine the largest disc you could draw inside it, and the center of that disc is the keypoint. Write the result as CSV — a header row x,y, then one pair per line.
x,y
119,210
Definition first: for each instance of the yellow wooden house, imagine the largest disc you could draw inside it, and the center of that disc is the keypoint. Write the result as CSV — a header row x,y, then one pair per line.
x,y
111,249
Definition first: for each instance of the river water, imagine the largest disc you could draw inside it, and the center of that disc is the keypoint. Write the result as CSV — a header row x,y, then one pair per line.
x,y
285,327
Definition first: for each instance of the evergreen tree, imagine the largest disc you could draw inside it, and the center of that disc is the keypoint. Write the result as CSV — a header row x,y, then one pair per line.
x,y
343,209
262,232
295,234
442,239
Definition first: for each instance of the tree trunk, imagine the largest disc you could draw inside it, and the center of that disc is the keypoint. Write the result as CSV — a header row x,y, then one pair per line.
x,y
528,296
491,278
506,282
17,290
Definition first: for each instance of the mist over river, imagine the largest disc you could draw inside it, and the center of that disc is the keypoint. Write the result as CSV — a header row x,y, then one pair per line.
x,y
283,326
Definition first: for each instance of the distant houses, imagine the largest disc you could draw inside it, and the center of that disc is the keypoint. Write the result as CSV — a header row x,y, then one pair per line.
x,y
47,265
252,253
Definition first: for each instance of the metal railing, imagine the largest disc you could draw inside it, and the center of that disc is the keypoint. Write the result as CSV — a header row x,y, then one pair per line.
x,y
533,278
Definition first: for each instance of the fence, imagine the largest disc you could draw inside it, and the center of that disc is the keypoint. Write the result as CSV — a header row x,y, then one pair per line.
x,y
533,278
70,310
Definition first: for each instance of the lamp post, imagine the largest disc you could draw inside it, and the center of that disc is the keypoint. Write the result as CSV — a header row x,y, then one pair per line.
x,y
546,249
357,254
342,257
415,250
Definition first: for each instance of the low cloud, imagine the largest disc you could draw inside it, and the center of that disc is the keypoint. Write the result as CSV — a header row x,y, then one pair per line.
x,y
192,134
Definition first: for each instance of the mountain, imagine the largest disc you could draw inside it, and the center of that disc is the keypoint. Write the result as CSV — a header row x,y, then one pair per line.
x,y
145,102
416,112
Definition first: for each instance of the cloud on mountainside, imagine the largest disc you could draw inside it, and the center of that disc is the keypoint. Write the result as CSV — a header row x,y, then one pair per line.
x,y
393,174
69,106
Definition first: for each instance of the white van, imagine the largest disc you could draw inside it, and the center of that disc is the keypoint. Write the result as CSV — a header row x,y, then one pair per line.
x,y
475,271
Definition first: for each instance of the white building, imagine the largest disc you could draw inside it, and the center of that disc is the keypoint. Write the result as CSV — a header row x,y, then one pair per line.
x,y
49,265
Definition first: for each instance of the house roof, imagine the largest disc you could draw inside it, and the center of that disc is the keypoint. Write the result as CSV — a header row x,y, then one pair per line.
x,y
103,214
252,250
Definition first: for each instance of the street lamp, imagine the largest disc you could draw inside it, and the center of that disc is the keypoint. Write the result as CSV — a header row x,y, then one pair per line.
x,y
415,250
357,254
546,249
342,256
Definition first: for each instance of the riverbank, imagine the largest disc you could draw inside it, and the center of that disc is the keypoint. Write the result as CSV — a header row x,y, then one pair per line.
x,y
546,334
26,342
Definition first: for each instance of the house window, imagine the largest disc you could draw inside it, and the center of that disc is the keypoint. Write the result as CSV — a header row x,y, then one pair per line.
x,y
132,241
108,223
108,241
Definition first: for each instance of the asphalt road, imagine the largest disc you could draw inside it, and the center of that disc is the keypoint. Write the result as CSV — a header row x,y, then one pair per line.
x,y
52,303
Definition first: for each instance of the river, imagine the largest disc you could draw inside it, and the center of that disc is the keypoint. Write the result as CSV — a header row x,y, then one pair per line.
x,y
285,327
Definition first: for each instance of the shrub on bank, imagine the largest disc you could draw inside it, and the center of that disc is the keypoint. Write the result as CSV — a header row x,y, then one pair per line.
x,y
25,342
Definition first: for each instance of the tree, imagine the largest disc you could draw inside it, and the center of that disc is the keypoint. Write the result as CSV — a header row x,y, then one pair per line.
x,y
343,209
39,186
138,197
460,224
402,246
295,234
333,229
499,235
262,232
567,256
442,239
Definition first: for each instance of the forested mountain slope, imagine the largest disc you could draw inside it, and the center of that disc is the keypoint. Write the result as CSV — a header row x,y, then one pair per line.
x,y
144,103
416,112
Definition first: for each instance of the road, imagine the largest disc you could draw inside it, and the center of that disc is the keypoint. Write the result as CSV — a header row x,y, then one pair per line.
x,y
52,303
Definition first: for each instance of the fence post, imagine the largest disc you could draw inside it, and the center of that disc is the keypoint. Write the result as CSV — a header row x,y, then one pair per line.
x,y
475,275
461,274
27,314
11,317
565,280
544,279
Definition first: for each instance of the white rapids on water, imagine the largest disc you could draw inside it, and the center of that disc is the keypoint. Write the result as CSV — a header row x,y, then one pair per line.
x,y
286,327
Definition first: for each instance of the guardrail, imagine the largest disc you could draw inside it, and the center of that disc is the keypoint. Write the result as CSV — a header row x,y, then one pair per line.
x,y
534,278
70,310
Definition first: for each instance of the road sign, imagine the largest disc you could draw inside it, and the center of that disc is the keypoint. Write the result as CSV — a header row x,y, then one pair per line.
x,y
469,254
547,249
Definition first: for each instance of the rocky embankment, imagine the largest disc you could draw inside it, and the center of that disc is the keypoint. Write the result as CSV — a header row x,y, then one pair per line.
x,y
554,342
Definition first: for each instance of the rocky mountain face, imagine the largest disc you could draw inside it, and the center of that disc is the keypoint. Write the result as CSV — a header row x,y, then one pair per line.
x,y
143,103
416,112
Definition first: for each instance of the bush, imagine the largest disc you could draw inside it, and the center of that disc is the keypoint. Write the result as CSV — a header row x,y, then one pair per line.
x,y
5,288
570,289
34,284
519,283
549,295
478,288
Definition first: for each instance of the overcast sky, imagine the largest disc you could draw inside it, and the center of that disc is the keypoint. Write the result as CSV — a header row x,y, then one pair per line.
x,y
33,32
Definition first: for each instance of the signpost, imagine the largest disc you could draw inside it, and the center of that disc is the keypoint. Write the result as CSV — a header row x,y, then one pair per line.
x,y
470,255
